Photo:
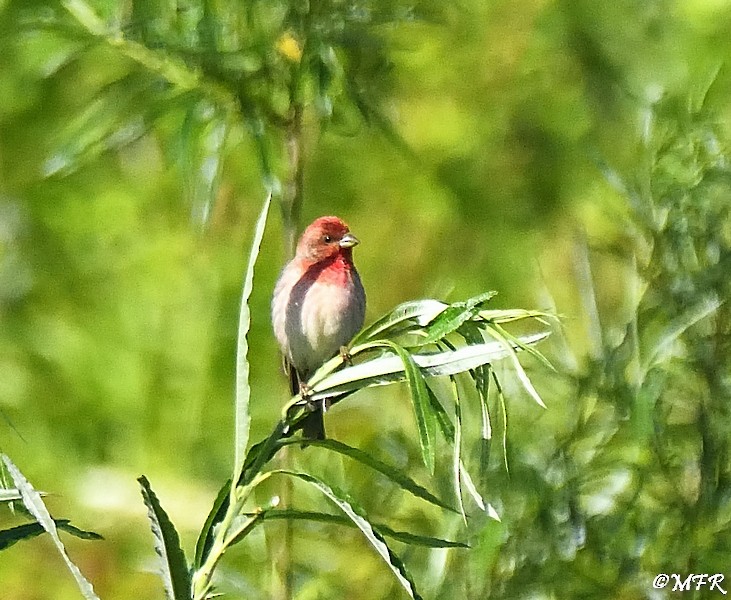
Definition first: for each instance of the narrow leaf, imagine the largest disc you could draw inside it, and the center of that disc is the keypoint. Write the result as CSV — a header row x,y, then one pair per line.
x,y
470,486
34,503
493,514
481,375
65,525
374,538
445,425
241,528
423,311
504,410
86,16
453,317
9,495
457,451
397,476
11,536
259,454
174,567
518,344
519,371
517,314
425,418
400,536
203,545
387,369
243,390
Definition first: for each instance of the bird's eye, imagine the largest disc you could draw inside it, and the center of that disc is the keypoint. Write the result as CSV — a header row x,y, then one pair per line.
x,y
327,239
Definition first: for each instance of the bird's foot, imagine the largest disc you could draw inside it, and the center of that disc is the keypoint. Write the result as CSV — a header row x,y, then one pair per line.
x,y
345,355
312,405
305,390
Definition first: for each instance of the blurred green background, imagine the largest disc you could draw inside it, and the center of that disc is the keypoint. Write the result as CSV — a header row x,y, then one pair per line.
x,y
571,155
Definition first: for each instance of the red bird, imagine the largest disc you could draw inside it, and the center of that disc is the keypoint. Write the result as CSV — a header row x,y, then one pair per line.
x,y
318,305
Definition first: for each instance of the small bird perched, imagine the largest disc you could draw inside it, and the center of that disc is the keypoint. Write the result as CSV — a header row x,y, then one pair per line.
x,y
318,305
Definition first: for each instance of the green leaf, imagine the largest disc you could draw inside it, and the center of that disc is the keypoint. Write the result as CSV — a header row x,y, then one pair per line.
x,y
174,571
259,454
518,344
457,451
203,545
470,486
423,311
400,536
425,418
66,526
34,503
86,16
397,476
11,536
516,314
481,375
453,317
374,538
162,64
241,527
504,410
519,371
445,425
243,390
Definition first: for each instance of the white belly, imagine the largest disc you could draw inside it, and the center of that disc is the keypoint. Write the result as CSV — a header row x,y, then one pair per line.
x,y
321,317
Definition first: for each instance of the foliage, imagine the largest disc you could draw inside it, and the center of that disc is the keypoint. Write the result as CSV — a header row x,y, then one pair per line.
x,y
33,505
573,155
417,326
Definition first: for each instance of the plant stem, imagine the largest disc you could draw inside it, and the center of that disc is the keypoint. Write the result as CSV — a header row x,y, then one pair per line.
x,y
201,584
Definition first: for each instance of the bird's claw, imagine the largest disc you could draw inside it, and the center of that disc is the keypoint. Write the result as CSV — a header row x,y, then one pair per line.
x,y
305,391
345,355
311,405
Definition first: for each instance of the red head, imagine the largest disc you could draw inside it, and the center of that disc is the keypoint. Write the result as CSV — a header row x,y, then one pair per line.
x,y
325,238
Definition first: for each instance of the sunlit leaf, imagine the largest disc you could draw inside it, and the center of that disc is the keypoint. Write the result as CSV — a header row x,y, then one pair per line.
x,y
389,369
243,390
9,495
422,311
519,371
454,316
457,450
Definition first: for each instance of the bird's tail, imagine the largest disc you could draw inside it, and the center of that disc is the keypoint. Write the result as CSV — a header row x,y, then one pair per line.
x,y
313,425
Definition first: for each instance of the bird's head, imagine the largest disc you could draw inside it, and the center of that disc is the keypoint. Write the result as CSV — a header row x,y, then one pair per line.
x,y
325,238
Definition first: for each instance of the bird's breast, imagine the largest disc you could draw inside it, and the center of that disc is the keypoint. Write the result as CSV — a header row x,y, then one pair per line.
x,y
324,310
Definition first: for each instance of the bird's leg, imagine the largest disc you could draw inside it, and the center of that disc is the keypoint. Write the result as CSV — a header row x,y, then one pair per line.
x,y
311,406
345,355
305,390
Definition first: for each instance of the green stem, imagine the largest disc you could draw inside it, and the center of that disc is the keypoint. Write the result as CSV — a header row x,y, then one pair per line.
x,y
225,536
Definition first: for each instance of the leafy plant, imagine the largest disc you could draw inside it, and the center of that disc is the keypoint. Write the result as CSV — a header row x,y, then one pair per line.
x,y
31,503
416,342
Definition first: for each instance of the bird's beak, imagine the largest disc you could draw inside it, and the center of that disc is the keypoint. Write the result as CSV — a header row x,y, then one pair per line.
x,y
348,241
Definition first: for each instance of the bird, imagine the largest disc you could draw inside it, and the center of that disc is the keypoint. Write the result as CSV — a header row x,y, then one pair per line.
x,y
318,306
